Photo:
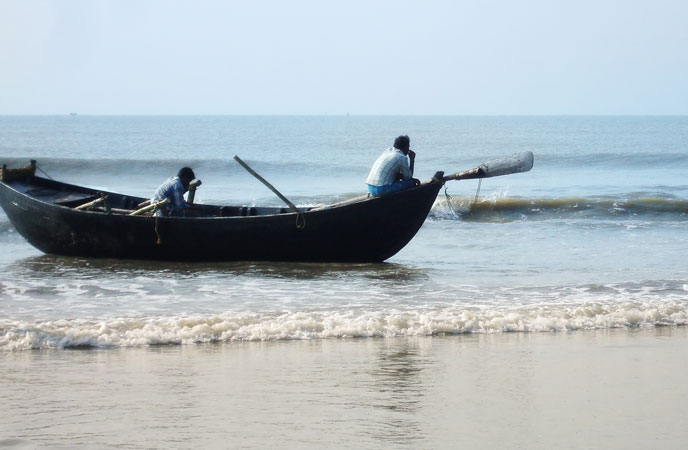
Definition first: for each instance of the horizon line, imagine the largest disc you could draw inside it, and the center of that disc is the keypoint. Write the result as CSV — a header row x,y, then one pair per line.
x,y
75,114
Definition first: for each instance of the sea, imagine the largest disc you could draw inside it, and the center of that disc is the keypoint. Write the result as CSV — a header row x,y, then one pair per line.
x,y
545,309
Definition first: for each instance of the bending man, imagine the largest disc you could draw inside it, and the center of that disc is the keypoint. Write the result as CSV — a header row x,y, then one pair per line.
x,y
173,190
392,171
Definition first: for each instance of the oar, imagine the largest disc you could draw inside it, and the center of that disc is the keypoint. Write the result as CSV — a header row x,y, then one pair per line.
x,y
268,185
520,162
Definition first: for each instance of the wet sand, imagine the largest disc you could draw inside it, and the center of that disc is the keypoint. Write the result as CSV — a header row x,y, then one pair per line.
x,y
612,389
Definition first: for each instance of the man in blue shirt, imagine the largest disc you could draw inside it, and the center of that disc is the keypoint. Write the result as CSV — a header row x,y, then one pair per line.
x,y
392,171
173,190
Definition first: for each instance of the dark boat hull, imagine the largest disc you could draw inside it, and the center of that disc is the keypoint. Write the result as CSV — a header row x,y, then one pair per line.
x,y
369,230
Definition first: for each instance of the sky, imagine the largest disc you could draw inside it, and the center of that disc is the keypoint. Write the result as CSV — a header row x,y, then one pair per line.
x,y
484,57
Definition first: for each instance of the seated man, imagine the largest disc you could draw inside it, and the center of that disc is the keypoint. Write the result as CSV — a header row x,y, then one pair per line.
x,y
392,172
173,190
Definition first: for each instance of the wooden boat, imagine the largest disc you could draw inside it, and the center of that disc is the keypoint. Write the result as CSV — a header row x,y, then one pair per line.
x,y
55,218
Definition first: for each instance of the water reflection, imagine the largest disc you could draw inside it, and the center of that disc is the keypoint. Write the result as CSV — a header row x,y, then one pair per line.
x,y
50,265
398,385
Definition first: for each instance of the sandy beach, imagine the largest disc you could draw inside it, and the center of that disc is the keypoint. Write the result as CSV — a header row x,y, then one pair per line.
x,y
612,389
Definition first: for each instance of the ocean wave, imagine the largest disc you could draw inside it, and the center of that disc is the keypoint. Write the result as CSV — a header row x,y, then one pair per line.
x,y
359,168
512,208
606,159
127,332
226,166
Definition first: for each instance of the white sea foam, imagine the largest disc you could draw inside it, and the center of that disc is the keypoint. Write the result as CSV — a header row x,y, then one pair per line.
x,y
124,332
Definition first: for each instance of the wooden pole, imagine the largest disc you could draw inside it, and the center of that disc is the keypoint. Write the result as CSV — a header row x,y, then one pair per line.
x,y
520,162
268,185
93,203
151,207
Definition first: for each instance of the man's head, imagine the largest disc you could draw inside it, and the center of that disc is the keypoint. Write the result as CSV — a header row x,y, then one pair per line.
x,y
403,143
186,176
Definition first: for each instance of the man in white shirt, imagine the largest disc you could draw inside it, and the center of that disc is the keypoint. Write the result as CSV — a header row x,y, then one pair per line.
x,y
392,171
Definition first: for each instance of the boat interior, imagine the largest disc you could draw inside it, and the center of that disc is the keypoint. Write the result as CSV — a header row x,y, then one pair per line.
x,y
87,199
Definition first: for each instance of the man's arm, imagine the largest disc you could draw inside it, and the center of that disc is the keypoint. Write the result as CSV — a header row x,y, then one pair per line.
x,y
412,159
177,197
403,169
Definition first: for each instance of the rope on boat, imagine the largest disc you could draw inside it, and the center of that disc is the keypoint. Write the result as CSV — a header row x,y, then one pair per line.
x,y
159,241
302,224
475,201
449,198
449,202
43,172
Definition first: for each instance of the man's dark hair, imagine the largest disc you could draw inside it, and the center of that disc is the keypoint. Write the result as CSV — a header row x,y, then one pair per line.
x,y
185,173
402,142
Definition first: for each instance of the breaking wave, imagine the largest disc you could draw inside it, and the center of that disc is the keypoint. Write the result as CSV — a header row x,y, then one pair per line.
x,y
195,329
512,208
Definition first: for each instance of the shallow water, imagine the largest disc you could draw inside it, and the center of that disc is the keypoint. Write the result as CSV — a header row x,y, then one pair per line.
x,y
548,313
593,237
